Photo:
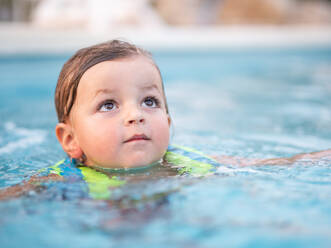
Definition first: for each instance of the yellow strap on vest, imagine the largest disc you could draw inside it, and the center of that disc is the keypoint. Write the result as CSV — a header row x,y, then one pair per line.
x,y
187,165
55,169
194,151
99,183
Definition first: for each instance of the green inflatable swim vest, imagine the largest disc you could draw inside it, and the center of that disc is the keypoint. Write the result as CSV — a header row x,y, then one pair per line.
x,y
98,185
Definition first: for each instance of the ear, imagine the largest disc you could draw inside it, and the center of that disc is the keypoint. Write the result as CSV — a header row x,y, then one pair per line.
x,y
67,140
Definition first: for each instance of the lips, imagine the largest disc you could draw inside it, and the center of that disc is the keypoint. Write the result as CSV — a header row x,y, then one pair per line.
x,y
137,137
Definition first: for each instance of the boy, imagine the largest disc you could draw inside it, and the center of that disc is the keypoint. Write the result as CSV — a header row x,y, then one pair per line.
x,y
112,108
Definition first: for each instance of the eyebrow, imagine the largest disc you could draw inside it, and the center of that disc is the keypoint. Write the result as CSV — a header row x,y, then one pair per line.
x,y
144,87
150,87
103,91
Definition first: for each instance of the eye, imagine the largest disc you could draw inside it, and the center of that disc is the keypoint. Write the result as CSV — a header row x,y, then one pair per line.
x,y
108,105
151,102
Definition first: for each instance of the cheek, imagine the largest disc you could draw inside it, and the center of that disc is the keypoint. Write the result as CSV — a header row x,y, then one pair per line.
x,y
162,131
98,137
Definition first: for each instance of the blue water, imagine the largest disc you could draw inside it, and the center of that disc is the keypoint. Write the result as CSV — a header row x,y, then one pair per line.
x,y
260,103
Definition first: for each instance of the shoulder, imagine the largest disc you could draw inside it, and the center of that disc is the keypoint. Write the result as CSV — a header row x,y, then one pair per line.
x,y
190,161
64,168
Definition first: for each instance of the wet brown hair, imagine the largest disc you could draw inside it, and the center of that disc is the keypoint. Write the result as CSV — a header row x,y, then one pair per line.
x,y
73,70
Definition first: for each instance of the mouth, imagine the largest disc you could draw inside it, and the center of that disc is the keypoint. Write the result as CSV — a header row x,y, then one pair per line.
x,y
137,137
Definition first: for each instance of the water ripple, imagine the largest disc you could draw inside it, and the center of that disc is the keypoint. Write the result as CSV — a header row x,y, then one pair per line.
x,y
25,137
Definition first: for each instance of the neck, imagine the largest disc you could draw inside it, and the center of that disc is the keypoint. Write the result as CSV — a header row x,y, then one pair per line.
x,y
126,170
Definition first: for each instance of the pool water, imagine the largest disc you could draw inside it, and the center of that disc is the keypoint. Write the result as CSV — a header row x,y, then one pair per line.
x,y
256,103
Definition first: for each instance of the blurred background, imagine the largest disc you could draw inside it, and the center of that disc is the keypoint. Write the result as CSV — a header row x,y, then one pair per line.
x,y
25,24
83,13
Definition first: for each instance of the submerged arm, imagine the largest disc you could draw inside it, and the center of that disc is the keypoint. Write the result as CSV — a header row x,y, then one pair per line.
x,y
273,161
32,185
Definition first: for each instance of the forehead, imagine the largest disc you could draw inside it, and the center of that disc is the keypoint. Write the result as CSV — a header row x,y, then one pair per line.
x,y
138,70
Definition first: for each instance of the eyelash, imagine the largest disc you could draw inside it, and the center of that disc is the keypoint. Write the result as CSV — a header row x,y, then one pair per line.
x,y
154,99
109,101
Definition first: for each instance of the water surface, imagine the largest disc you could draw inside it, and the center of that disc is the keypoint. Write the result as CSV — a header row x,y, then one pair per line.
x,y
249,103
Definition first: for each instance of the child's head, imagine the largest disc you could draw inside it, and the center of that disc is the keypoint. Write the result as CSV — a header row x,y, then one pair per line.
x,y
111,107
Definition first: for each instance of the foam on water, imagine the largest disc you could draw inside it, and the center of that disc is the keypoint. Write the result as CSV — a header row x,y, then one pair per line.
x,y
25,138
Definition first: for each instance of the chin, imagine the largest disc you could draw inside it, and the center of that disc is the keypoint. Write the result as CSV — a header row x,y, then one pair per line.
x,y
140,162
135,160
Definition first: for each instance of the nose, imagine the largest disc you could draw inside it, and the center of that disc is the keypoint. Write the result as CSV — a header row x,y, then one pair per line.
x,y
137,120
134,117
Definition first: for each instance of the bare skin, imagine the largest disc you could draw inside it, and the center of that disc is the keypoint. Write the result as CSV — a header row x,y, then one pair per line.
x,y
32,185
272,161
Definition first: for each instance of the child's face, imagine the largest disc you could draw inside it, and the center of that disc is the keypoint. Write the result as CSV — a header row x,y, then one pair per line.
x,y
119,117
